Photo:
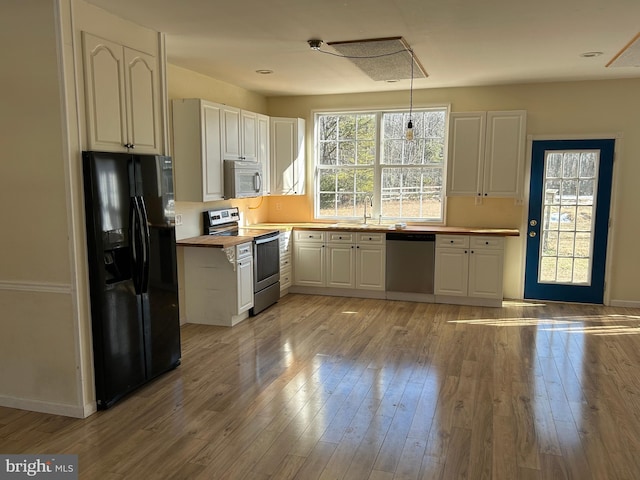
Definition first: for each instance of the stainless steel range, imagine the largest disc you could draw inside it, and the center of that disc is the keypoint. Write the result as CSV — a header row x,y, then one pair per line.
x,y
266,254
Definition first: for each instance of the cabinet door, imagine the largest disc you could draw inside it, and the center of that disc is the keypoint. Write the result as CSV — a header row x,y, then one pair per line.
x,y
264,153
244,272
231,145
287,156
104,94
504,154
466,153
142,88
212,173
341,266
452,271
370,267
485,273
249,136
308,264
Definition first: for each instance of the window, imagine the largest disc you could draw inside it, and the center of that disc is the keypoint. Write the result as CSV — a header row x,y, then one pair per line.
x,y
365,155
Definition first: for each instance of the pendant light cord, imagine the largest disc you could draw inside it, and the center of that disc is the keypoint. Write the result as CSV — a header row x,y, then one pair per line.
x,y
411,86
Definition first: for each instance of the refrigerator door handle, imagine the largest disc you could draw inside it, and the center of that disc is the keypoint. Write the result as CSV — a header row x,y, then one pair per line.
x,y
146,247
134,240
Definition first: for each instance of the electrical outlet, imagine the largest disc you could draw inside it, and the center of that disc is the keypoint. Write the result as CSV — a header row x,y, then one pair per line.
x,y
178,219
278,206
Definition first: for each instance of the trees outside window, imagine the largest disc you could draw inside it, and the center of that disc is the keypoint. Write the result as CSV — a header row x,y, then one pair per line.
x,y
362,154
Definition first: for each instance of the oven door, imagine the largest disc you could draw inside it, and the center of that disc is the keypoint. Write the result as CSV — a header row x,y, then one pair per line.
x,y
266,261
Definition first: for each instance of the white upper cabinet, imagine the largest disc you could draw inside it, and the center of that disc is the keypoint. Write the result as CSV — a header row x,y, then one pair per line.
x,y
486,154
239,134
122,95
197,150
264,152
287,175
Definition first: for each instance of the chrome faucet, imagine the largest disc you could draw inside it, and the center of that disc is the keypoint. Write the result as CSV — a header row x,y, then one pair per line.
x,y
368,200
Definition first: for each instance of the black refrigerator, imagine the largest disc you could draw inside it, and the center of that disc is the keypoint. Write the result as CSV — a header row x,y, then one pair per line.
x,y
131,243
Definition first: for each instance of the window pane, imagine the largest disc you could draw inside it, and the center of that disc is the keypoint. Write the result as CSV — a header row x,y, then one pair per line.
x,y
327,204
364,181
328,127
345,180
328,153
347,154
327,179
411,192
366,152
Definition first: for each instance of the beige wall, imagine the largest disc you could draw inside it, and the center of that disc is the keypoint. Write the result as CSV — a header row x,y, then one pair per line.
x,y
571,108
38,343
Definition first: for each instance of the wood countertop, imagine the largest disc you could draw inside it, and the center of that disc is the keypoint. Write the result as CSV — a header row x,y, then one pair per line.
x,y
502,232
246,235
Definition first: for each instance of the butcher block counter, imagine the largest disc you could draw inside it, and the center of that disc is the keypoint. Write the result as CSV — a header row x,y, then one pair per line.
x,y
223,241
373,227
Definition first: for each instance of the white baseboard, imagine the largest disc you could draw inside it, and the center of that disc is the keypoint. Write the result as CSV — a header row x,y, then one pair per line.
x,y
76,411
337,292
624,303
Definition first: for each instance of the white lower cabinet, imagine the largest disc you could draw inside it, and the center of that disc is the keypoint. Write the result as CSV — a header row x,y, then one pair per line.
x,y
309,258
340,260
218,284
469,269
286,276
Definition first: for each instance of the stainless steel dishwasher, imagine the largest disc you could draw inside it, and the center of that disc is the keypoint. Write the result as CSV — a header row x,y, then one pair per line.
x,y
410,266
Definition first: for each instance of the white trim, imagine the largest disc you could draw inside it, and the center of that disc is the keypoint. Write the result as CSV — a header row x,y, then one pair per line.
x,y
37,287
608,268
76,411
71,142
625,303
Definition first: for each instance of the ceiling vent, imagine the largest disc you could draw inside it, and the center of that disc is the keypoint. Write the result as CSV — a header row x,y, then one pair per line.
x,y
382,59
629,56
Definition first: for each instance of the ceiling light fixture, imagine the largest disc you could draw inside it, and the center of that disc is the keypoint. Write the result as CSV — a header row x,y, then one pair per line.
x,y
315,44
590,54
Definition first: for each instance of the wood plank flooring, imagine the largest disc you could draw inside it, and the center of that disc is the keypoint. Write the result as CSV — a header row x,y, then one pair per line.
x,y
341,388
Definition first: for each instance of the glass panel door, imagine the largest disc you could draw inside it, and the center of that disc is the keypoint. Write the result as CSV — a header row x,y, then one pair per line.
x,y
569,201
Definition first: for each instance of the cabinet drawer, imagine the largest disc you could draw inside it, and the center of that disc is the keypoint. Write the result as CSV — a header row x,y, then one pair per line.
x,y
340,237
461,241
371,238
494,243
244,250
286,278
309,236
285,262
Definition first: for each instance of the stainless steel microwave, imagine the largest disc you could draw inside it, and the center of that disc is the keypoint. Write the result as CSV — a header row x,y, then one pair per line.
x,y
242,179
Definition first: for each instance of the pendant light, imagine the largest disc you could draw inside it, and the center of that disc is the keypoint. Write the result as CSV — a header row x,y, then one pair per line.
x,y
409,131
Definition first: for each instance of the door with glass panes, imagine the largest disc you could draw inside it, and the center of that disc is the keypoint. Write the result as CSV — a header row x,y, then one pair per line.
x,y
568,223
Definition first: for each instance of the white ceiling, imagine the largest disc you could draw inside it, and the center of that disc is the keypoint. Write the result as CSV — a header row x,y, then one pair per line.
x,y
459,42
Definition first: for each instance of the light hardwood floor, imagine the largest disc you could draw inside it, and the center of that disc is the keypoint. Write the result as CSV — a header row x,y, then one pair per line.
x,y
330,388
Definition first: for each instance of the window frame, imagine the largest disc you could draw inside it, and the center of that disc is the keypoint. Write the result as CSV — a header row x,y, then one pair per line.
x,y
377,166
